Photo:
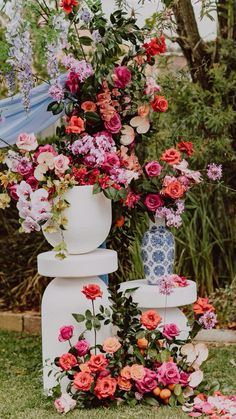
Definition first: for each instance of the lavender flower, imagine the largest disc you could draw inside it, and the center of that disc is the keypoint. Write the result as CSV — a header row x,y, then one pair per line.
x,y
96,36
56,91
11,84
166,285
82,68
85,15
208,320
173,218
214,171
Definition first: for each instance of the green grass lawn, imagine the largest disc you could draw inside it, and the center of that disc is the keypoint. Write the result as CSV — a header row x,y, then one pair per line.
x,y
21,394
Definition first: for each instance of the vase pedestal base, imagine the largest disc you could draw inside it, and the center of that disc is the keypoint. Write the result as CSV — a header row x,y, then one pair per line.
x,y
63,297
148,297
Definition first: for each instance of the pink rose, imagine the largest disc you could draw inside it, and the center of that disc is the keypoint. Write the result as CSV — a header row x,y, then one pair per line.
x,y
61,164
153,201
122,76
24,167
153,168
12,191
184,378
65,403
147,383
111,161
82,347
168,373
26,142
170,331
66,333
114,125
32,181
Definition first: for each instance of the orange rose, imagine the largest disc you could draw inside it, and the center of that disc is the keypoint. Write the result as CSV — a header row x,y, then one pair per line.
x,y
142,343
137,372
171,156
92,291
83,381
76,125
105,387
120,221
150,319
126,372
97,363
143,111
202,305
88,106
84,367
159,104
111,345
124,384
174,189
67,361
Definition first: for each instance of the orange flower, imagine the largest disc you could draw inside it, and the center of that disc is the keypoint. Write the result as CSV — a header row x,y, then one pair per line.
x,y
126,372
174,189
88,106
124,384
92,291
83,381
139,59
111,345
120,221
105,387
137,372
171,156
202,305
150,319
142,343
159,104
76,125
97,363
67,361
143,111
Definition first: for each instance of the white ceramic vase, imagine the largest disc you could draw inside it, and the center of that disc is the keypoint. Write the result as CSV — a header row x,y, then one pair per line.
x,y
89,221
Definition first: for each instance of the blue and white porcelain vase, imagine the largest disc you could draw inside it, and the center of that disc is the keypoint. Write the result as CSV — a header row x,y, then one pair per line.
x,y
158,251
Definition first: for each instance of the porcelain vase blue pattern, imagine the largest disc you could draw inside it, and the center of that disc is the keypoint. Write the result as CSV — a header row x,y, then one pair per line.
x,y
158,252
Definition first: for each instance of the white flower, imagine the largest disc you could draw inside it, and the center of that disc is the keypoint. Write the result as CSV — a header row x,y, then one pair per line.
x,y
23,190
195,378
127,136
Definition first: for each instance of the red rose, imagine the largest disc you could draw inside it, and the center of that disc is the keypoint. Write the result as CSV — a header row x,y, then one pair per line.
x,y
83,381
105,387
174,190
155,46
92,291
159,104
153,201
68,5
150,319
67,361
171,156
122,76
186,146
97,363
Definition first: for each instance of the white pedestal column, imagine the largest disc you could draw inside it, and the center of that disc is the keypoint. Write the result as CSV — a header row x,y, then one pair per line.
x,y
148,297
63,297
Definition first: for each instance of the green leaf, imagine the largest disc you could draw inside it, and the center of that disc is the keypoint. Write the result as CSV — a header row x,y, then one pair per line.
x,y
177,389
92,117
138,355
55,107
181,399
78,317
69,108
88,315
85,40
97,188
140,334
165,355
96,324
152,353
172,400
151,401
88,325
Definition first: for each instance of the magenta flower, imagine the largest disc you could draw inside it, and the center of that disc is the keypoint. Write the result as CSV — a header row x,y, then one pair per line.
x,y
148,382
170,331
66,333
82,347
168,373
122,76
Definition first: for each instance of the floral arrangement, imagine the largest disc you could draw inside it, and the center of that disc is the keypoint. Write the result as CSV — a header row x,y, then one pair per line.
x,y
108,98
147,362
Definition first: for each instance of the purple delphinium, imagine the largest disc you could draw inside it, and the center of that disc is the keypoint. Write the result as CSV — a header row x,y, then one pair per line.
x,y
214,171
208,320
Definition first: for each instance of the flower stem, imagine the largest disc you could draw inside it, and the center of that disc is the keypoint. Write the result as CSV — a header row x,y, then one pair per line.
x,y
95,332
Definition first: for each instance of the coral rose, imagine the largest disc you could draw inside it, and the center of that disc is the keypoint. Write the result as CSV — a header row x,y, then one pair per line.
x,y
168,373
170,331
174,190
105,387
153,168
68,5
126,372
76,125
111,345
67,361
202,305
171,156
65,333
186,146
92,291
150,319
137,372
88,106
124,384
159,104
83,381
97,363
122,76
82,347
153,201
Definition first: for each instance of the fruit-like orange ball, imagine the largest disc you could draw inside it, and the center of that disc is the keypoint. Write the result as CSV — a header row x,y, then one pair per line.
x,y
165,393
142,343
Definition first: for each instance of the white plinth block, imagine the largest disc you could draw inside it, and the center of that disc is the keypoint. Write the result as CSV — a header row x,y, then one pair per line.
x,y
148,297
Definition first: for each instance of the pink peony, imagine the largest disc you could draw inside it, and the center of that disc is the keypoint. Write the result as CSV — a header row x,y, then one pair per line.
x,y
122,76
82,347
65,403
114,125
26,142
170,331
168,373
66,333
153,168
153,201
147,383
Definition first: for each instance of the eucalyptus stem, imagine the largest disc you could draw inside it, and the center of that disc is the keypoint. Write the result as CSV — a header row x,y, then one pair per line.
x,y
95,332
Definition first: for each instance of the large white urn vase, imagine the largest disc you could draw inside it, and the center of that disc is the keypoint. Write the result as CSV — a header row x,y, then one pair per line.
x,y
89,221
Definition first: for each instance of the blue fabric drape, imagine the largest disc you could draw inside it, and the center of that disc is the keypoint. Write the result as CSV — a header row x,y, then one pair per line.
x,y
16,120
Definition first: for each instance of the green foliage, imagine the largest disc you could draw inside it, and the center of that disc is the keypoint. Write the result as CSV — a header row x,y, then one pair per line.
x,y
224,301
